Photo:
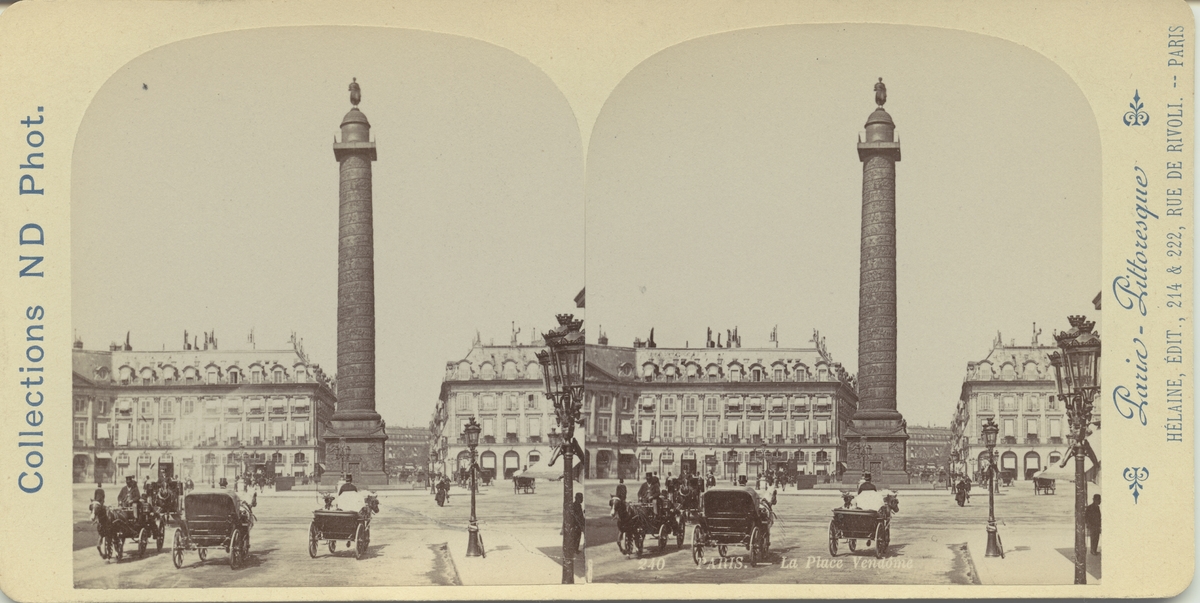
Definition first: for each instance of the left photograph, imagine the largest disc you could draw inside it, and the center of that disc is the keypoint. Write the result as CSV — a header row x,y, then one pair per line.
x,y
327,313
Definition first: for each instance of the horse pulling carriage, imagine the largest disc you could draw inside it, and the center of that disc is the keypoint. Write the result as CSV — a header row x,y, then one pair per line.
x,y
637,520
333,525
732,516
146,520
852,525
214,520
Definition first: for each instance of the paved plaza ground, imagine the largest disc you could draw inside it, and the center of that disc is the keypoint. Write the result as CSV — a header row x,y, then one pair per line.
x,y
933,541
413,542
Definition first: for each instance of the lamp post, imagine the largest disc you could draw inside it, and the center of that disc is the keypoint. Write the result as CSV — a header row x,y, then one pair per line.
x,y
994,548
474,543
1077,374
562,371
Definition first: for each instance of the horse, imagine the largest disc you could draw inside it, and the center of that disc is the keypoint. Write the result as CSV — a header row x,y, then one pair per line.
x,y
632,523
99,517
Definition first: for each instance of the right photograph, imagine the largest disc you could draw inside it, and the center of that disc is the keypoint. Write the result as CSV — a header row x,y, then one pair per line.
x,y
844,314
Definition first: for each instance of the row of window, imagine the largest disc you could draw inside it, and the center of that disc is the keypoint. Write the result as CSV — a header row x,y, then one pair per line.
x,y
645,429
123,432
1011,427
1013,402
734,372
169,375
711,403
487,371
512,401
167,406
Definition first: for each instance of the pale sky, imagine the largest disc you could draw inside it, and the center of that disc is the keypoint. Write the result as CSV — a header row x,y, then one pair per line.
x,y
208,199
724,189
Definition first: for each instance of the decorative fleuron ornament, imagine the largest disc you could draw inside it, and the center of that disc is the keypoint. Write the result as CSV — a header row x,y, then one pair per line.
x,y
356,92
880,93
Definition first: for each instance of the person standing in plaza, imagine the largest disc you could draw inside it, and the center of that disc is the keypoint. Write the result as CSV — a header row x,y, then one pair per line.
x,y
577,521
98,496
1091,518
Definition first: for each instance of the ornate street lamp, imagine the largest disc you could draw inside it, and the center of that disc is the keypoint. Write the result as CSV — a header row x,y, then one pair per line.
x,y
562,371
1077,373
994,548
474,543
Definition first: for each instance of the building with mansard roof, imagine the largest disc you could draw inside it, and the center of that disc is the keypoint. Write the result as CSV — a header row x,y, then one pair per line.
x,y
730,411
1013,385
501,387
197,413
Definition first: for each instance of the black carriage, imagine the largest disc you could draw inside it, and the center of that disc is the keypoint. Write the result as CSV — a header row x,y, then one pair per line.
x,y
1043,485
852,525
214,520
333,526
524,485
732,516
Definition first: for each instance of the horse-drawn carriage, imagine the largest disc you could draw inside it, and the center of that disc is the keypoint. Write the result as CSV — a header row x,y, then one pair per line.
x,y
524,485
142,522
637,520
214,520
1043,485
732,516
869,524
333,525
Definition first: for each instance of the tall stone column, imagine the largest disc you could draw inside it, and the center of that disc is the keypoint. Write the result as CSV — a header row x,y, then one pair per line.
x,y
354,443
876,440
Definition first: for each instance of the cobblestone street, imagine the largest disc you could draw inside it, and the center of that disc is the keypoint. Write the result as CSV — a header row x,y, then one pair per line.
x,y
413,542
933,541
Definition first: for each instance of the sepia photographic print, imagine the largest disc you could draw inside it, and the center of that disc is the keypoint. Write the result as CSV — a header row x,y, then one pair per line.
x,y
281,332
366,301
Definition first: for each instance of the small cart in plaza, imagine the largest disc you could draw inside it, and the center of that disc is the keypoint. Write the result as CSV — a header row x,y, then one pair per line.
x,y
1043,485
524,485
331,525
732,516
852,525
214,520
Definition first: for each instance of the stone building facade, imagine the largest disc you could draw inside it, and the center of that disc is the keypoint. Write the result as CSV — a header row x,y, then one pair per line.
x,y
407,449
929,453
198,413
501,387
1013,385
731,411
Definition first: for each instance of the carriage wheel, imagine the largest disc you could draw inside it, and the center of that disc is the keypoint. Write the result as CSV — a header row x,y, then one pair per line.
x,y
177,549
834,534
359,544
697,545
332,546
235,550
664,533
143,540
853,544
312,540
755,546
203,553
879,545
723,550
884,540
